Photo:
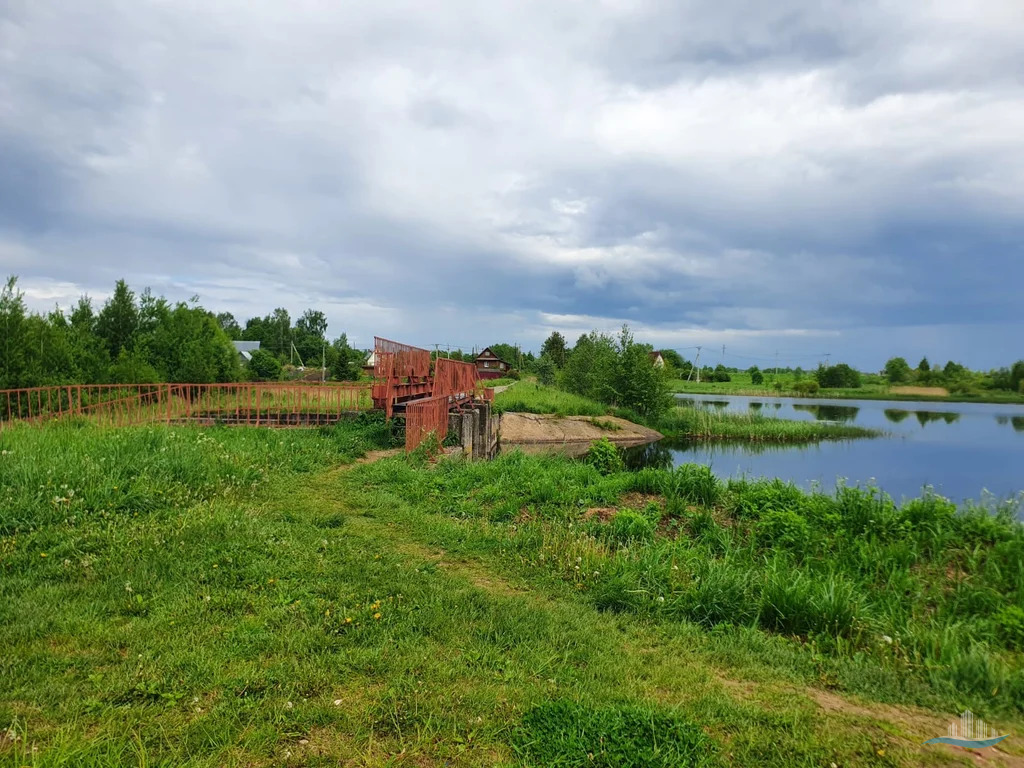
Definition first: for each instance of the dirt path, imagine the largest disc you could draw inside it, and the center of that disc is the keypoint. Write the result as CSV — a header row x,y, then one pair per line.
x,y
545,428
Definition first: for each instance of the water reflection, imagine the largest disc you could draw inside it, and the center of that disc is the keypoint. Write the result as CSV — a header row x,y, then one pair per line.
x,y
926,417
755,406
1018,423
717,403
822,412
776,406
895,415
1002,420
657,455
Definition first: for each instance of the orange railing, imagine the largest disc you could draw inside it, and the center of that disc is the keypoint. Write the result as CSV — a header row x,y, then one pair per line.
x,y
454,378
250,403
423,417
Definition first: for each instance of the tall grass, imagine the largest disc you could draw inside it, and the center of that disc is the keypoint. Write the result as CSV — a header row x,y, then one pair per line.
x,y
705,424
851,574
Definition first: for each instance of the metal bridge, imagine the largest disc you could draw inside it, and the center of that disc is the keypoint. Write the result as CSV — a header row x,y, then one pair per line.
x,y
406,385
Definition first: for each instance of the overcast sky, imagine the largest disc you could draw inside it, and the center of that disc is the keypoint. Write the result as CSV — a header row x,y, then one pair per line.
x,y
806,177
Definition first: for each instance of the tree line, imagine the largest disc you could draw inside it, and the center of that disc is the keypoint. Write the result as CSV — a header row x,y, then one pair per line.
x,y
143,338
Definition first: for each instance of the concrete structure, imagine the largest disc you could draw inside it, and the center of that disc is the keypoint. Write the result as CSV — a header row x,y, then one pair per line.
x,y
478,429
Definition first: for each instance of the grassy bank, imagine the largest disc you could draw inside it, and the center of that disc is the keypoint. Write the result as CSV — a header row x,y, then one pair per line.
x,y
229,597
742,385
683,422
703,424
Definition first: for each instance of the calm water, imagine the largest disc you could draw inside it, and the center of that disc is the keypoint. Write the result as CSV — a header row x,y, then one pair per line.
x,y
960,449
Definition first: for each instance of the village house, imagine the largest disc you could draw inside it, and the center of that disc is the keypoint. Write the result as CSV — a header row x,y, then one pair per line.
x,y
490,366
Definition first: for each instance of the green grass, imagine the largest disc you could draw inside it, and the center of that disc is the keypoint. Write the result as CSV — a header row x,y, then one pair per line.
x,y
230,597
503,382
704,424
530,397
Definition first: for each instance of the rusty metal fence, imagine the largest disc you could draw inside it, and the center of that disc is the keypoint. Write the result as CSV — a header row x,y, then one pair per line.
x,y
423,417
454,378
254,404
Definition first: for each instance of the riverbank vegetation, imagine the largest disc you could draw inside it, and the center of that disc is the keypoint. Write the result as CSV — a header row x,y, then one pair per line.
x,y
961,385
176,596
681,421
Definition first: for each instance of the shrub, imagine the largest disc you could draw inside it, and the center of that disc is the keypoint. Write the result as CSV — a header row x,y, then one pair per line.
x,y
567,733
604,456
629,526
263,366
757,377
839,375
806,387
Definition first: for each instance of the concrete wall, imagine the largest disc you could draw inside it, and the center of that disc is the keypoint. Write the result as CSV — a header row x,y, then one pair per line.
x,y
477,428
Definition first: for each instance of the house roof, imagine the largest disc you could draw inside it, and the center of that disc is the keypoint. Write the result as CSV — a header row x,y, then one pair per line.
x,y
246,348
488,355
654,355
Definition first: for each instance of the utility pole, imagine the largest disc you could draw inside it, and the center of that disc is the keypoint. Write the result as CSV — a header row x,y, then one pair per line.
x,y
697,364
776,364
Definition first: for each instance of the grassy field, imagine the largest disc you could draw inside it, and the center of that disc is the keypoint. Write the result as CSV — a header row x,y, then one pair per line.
x,y
693,423
173,596
531,397
742,385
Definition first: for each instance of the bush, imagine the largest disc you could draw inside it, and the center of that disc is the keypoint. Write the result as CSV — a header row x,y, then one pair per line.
x,y
806,387
757,377
837,376
604,456
567,733
263,366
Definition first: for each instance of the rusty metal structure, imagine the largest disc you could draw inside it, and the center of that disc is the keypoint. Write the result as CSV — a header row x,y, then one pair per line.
x,y
270,404
406,384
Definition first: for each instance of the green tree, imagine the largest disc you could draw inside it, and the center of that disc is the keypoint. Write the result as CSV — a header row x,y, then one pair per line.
x,y
348,362
836,376
554,348
309,337
191,347
229,325
638,384
13,336
897,370
923,366
118,321
263,366
545,370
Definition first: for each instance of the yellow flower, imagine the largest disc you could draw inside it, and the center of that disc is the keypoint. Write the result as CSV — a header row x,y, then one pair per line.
x,y
881,753
42,554
376,615
348,620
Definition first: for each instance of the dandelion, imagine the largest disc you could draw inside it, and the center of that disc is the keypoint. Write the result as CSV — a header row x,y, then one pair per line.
x,y
42,554
376,616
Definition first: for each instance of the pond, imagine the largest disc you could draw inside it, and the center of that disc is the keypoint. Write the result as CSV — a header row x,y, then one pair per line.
x,y
962,450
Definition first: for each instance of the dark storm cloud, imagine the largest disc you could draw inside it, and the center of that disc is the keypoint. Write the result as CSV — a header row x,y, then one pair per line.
x,y
765,175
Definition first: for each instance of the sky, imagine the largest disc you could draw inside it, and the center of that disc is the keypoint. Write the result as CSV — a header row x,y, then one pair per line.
x,y
794,177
